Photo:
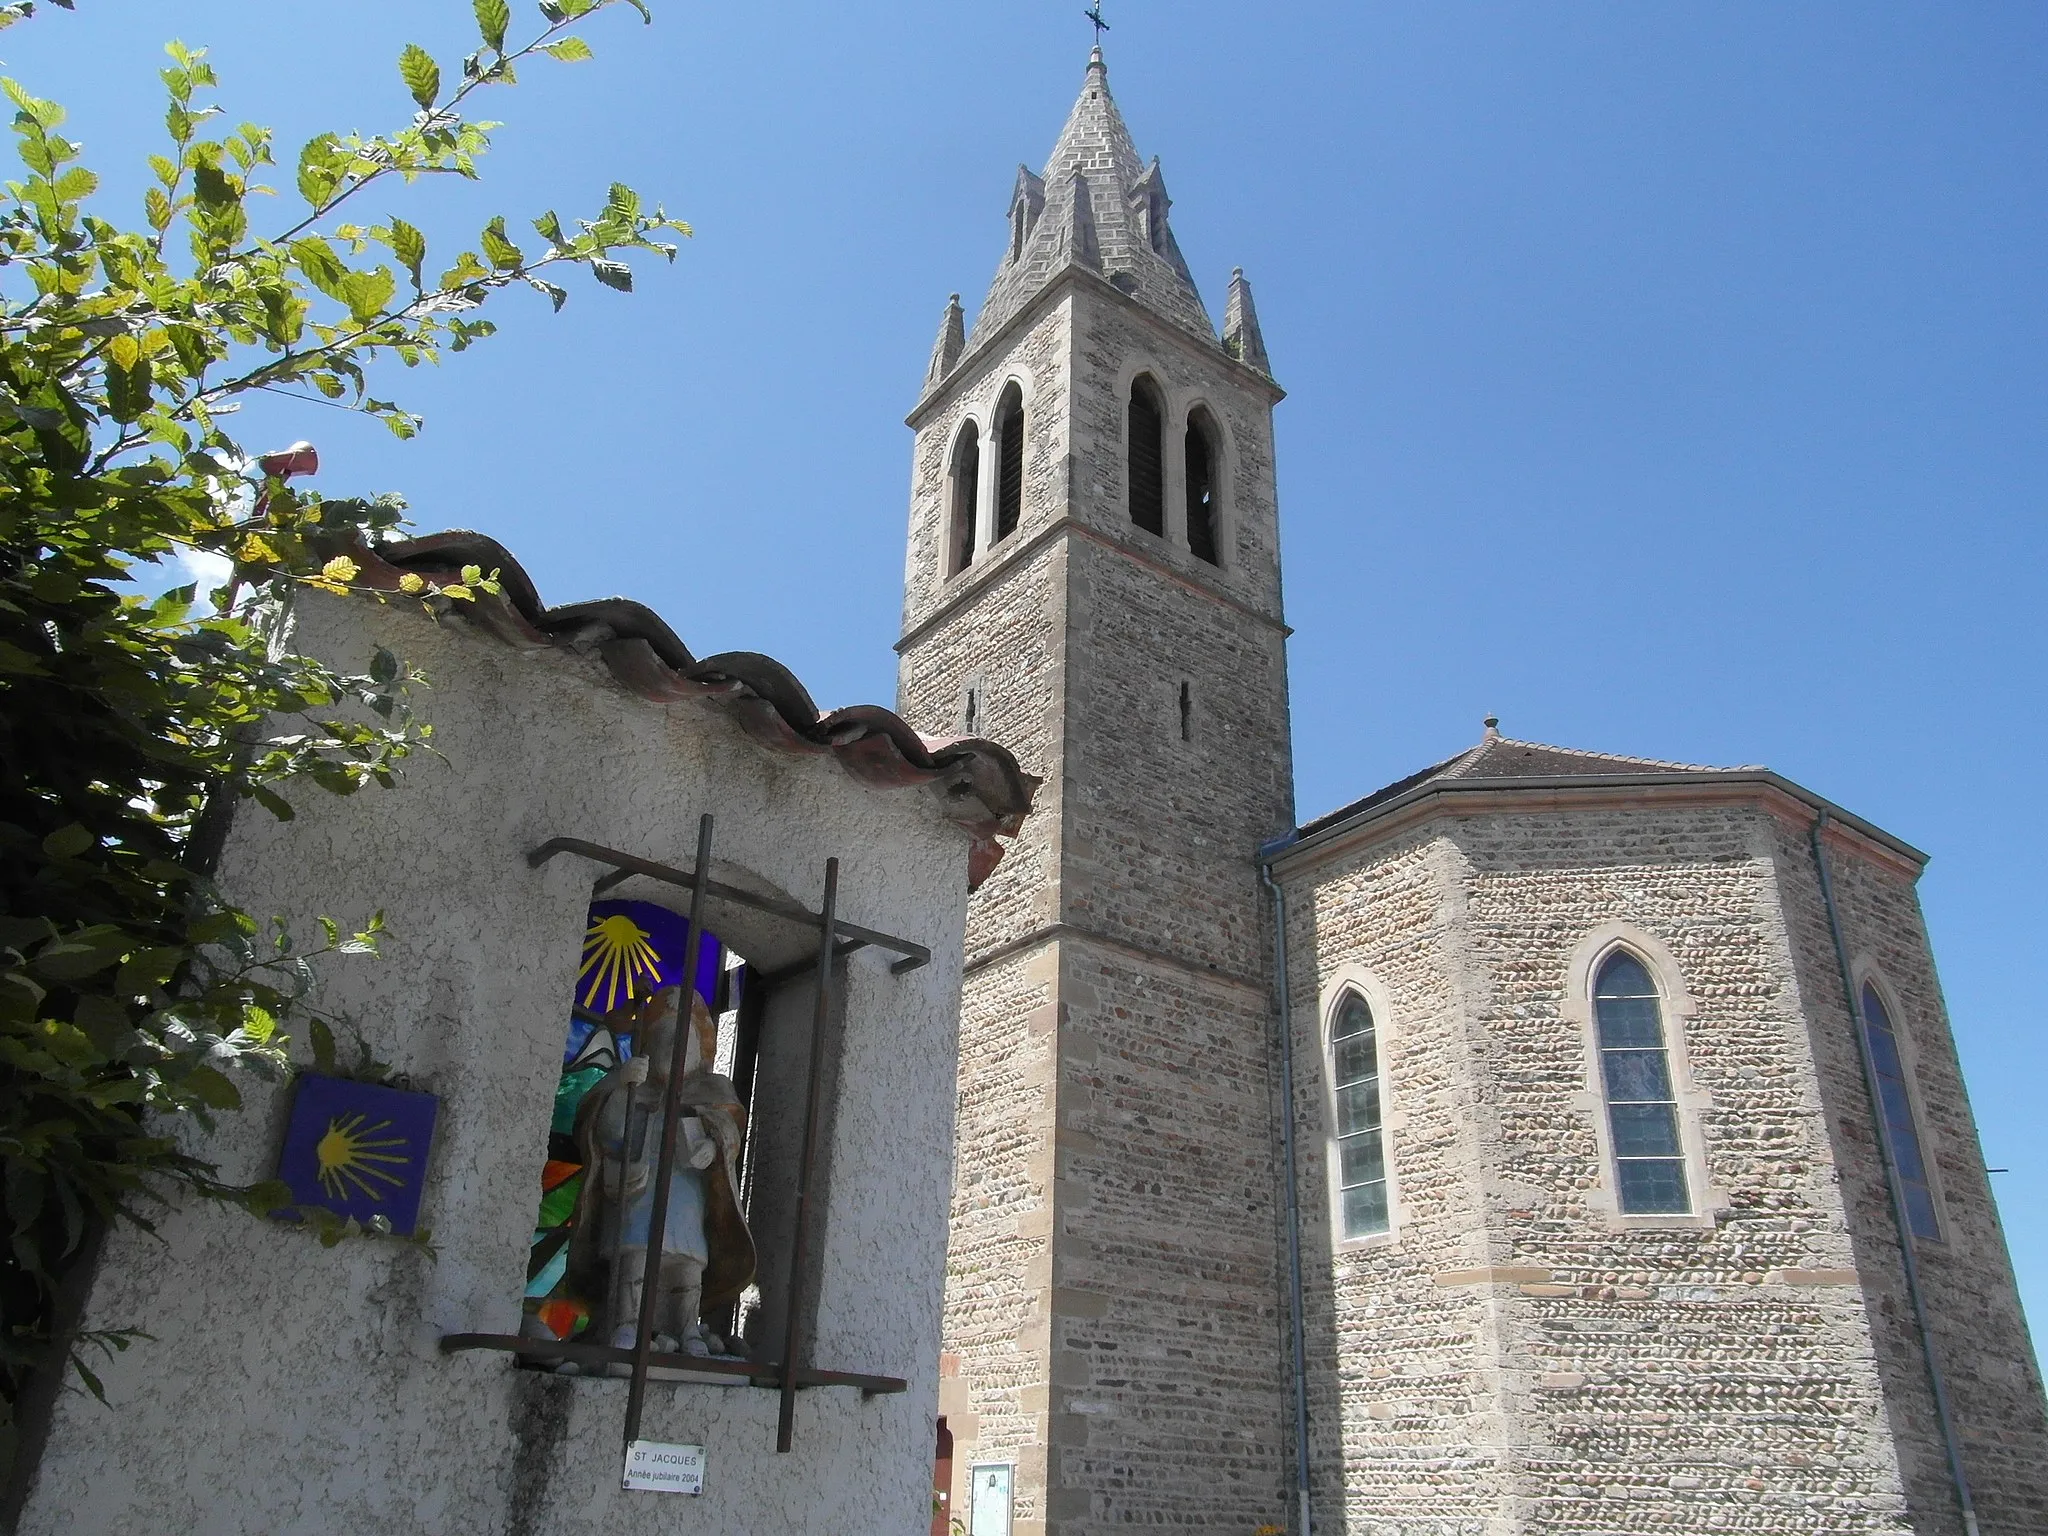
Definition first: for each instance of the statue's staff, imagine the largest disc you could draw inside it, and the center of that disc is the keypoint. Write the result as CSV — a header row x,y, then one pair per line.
x,y
671,1115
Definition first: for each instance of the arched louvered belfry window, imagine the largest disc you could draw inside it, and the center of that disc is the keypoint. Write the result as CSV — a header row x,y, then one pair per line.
x,y
1147,456
1635,1070
1899,1120
966,497
1202,460
1361,1158
1009,435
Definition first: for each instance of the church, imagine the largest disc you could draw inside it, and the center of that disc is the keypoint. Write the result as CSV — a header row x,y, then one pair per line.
x,y
1006,1110
1550,1141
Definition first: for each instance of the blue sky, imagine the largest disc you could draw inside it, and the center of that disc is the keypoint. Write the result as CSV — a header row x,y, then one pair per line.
x,y
1669,379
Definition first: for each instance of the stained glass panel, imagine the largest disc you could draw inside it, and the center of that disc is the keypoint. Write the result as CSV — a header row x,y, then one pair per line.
x,y
1642,1114
631,950
1897,1105
1361,1144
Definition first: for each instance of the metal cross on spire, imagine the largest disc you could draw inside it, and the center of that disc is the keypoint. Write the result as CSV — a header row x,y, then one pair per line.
x,y
1094,14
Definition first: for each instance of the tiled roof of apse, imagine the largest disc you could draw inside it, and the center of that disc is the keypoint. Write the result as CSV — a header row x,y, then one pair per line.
x,y
1499,759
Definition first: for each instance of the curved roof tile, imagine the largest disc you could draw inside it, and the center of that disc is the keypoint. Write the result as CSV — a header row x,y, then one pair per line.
x,y
978,782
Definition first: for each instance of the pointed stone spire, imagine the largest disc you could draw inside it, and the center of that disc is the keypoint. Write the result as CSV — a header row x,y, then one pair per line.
x,y
1241,338
1103,211
951,343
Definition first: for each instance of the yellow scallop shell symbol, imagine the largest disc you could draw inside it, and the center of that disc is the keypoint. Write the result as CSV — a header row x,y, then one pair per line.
x,y
355,1158
619,963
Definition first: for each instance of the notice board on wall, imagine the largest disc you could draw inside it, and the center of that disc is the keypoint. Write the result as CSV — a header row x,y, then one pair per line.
x,y
988,1500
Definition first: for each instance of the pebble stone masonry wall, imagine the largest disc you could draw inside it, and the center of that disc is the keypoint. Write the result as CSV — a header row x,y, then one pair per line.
x,y
1514,1358
1113,1298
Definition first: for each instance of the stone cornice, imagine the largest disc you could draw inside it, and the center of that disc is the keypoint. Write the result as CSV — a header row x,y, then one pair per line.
x,y
993,574
1050,932
1061,282
1791,803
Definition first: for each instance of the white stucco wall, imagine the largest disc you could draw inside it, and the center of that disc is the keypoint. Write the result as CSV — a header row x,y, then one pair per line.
x,y
296,1389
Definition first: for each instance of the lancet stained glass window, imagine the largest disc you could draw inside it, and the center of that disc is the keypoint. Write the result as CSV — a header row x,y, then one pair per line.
x,y
1361,1140
1898,1115
1642,1114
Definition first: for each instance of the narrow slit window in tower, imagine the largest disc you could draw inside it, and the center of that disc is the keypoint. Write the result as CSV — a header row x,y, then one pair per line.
x,y
970,710
1009,461
1361,1139
1642,1113
1147,456
1201,478
966,496
1898,1115
1187,714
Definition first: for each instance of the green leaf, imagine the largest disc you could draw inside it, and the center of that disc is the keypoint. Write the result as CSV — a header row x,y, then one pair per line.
x,y
367,293
613,274
76,185
78,955
570,50
86,1374
214,189
26,1188
324,270
320,166
468,269
147,969
17,933
19,997
410,247
267,1197
21,663
500,251
44,114
68,842
129,390
422,76
323,1045
492,18
103,1021
213,1089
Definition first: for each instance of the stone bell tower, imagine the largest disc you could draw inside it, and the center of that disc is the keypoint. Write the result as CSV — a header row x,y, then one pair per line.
x,y
1094,580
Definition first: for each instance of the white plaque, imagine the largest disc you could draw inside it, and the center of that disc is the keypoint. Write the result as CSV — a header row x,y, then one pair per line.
x,y
665,1468
988,1505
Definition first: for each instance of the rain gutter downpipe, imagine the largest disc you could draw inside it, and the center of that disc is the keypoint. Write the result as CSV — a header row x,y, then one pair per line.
x,y
1895,1186
1267,853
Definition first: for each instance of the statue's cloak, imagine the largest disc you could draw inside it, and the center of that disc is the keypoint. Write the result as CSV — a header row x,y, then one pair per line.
x,y
714,1101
